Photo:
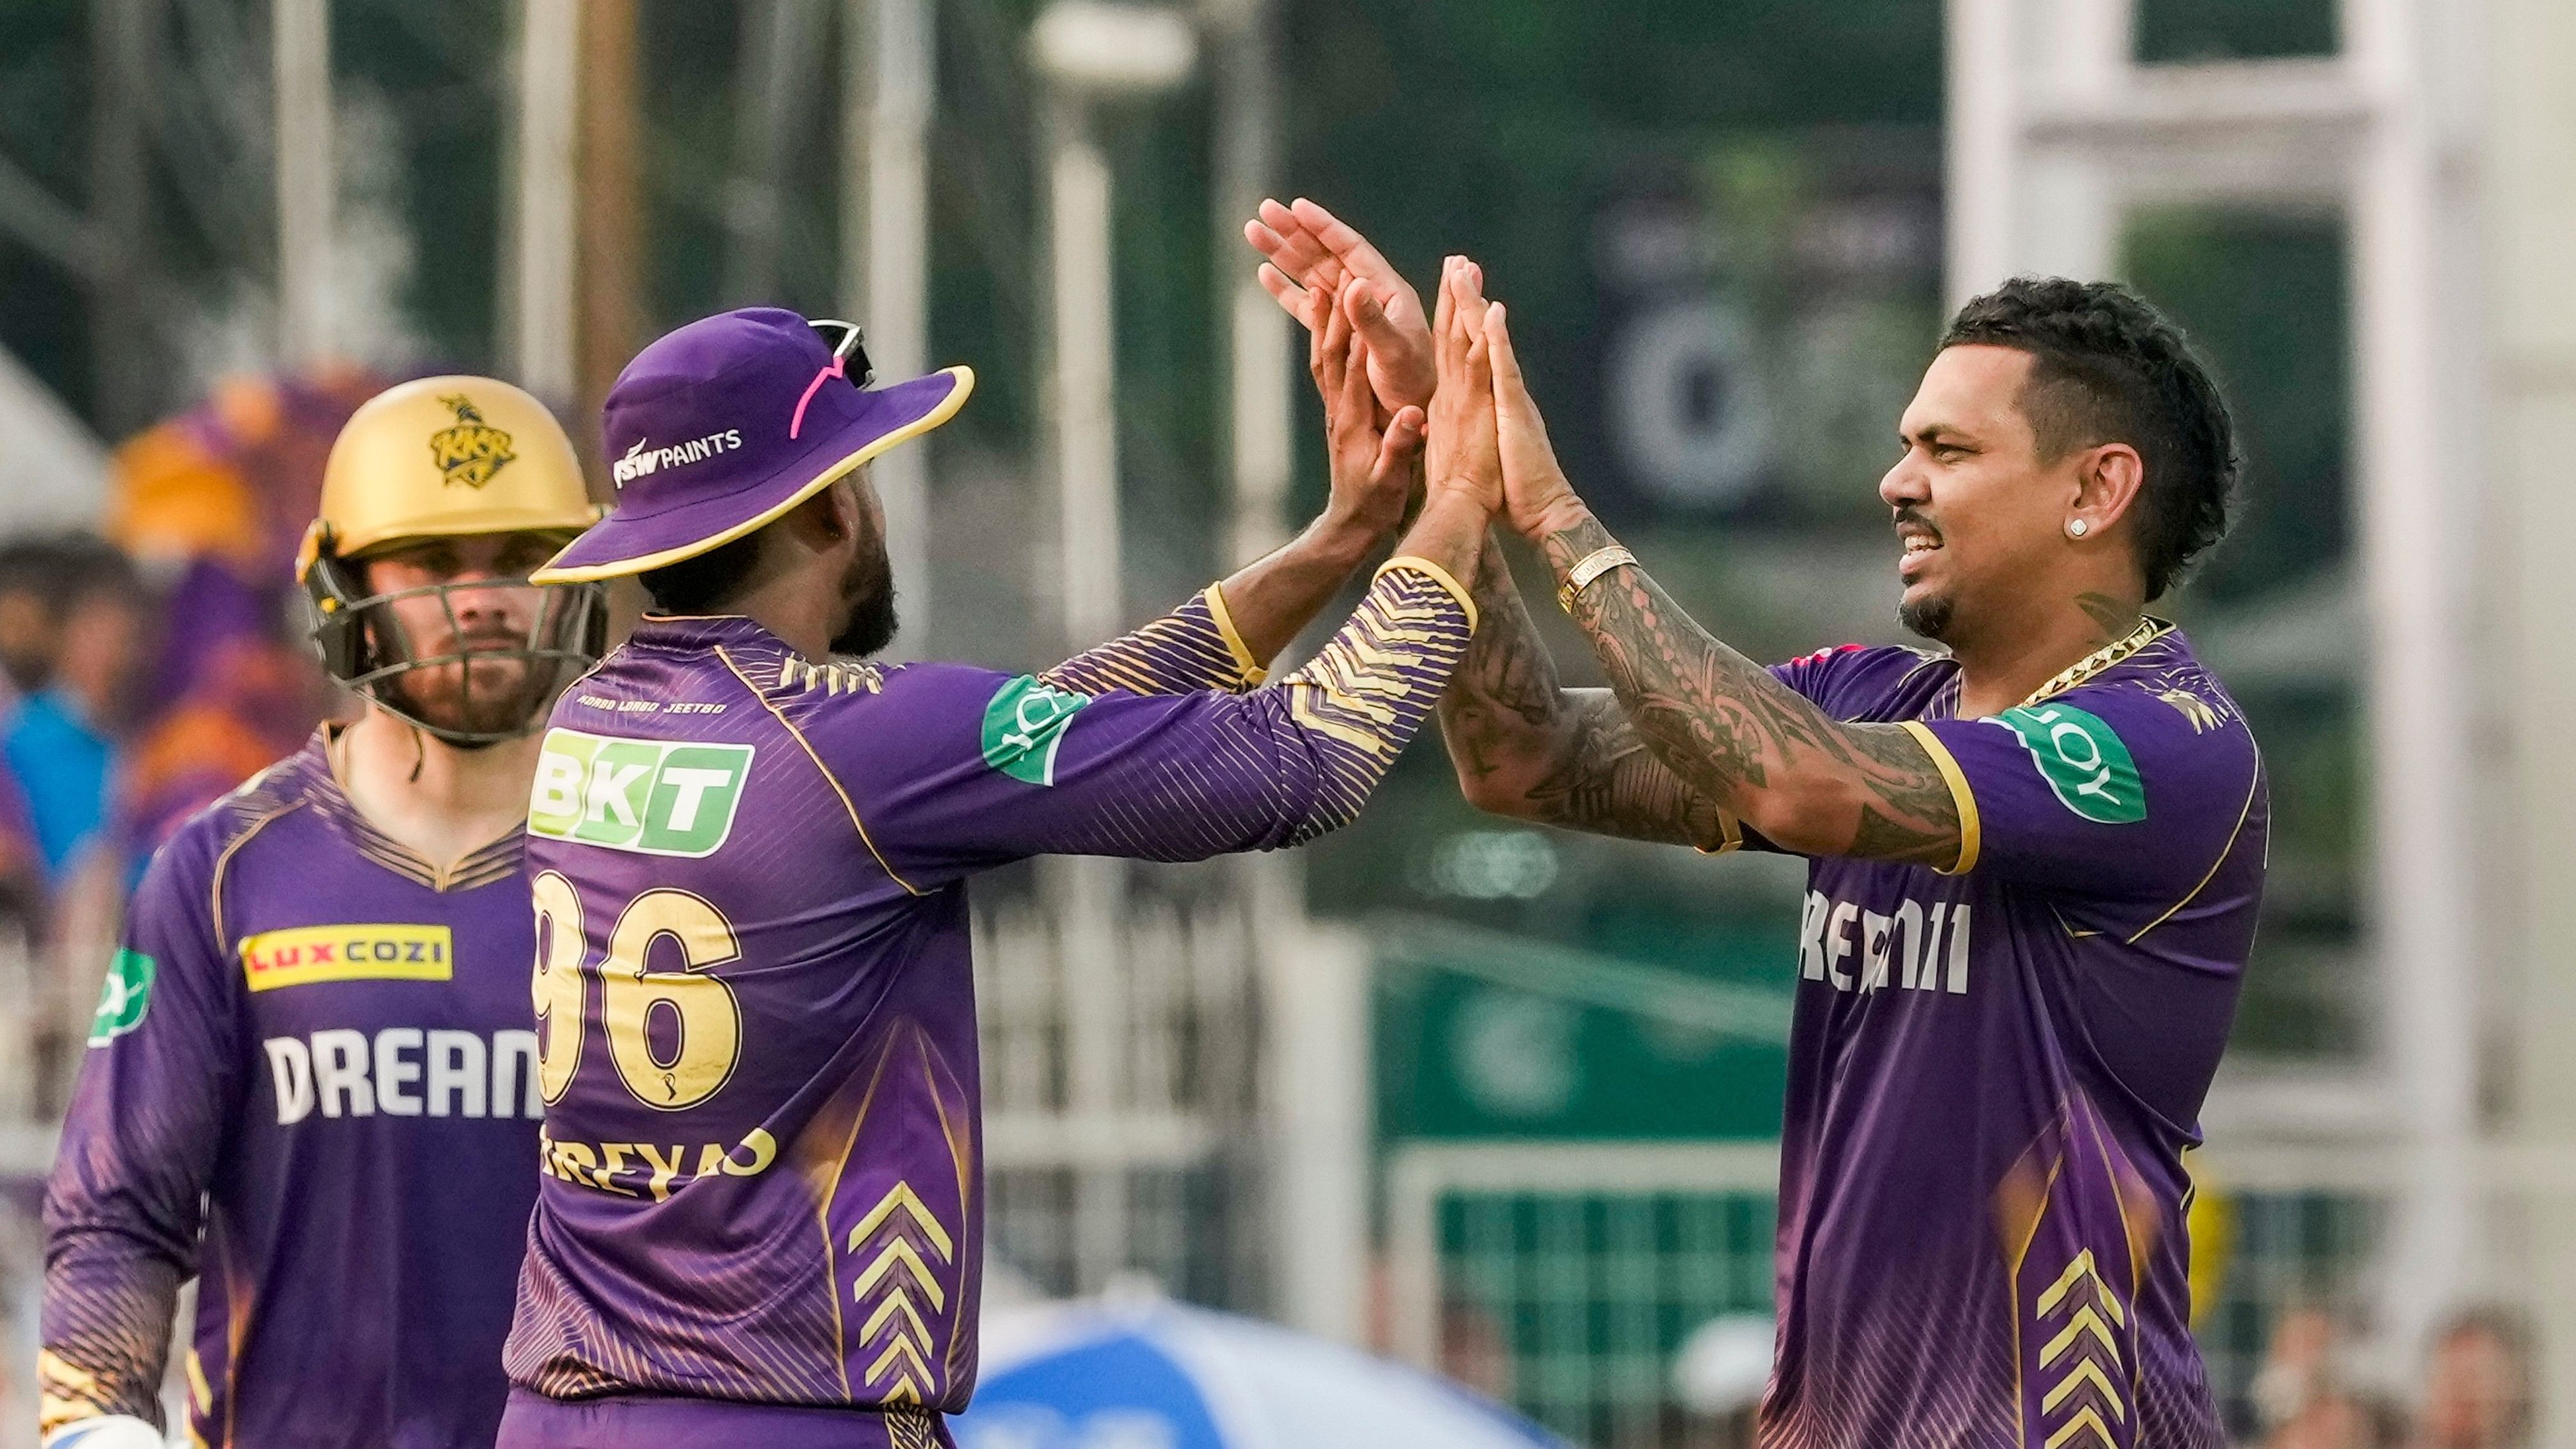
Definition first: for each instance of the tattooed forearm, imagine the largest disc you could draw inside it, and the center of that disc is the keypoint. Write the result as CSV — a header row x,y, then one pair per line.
x,y
1524,746
1740,738
1603,779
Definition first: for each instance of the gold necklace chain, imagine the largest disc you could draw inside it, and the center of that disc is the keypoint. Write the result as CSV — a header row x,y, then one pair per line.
x,y
2149,628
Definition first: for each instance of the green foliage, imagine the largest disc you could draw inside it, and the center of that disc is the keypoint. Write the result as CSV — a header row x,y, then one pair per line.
x,y
2263,295
2200,30
444,71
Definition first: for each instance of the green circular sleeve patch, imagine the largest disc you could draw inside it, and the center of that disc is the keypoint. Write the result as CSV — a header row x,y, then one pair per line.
x,y
124,998
2083,759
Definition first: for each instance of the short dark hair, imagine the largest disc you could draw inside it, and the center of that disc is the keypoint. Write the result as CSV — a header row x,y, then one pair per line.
x,y
2107,367
706,583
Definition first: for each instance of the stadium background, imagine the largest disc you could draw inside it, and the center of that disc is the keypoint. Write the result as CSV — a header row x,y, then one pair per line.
x,y
1497,1100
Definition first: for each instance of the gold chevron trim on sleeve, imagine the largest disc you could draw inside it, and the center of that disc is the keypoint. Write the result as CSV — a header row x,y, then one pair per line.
x,y
897,1304
899,1347
902,1369
2086,1320
1359,739
1415,563
2079,1271
2088,1371
905,1201
901,1251
2087,1420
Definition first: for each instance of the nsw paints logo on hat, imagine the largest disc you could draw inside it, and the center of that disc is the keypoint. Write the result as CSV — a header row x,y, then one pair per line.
x,y
722,426
644,459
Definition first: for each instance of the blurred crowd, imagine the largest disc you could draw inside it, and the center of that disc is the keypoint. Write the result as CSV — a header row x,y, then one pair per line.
x,y
149,668
2476,1391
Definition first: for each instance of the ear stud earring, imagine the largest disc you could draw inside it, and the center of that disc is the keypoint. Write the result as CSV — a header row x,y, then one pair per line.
x,y
2077,528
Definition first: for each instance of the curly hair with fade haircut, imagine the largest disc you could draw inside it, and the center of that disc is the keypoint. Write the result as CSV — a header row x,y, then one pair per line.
x,y
2107,367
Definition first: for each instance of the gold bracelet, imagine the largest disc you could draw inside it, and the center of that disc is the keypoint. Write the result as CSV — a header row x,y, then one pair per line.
x,y
1587,568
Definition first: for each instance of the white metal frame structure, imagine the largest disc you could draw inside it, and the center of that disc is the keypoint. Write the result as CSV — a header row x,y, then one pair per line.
x,y
1420,1175
2054,133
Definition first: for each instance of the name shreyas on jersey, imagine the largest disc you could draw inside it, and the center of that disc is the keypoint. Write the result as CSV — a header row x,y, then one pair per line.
x,y
303,955
653,1169
652,797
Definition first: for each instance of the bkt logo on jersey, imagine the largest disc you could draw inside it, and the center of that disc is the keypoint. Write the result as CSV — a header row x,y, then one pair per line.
x,y
1912,949
654,797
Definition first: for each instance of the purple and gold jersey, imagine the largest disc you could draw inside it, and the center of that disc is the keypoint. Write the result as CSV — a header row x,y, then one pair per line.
x,y
763,1206
326,1041
1995,1071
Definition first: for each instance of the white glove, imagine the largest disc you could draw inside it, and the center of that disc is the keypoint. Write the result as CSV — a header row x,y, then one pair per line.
x,y
107,1431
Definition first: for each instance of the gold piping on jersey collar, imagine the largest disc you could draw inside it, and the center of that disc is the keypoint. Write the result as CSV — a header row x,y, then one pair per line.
x,y
480,866
2149,630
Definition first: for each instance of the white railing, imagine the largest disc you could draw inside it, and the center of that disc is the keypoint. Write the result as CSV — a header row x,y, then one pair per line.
x,y
1583,1264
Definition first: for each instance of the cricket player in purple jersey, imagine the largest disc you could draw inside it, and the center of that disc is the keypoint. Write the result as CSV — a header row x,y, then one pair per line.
x,y
312,1081
2036,859
762,1219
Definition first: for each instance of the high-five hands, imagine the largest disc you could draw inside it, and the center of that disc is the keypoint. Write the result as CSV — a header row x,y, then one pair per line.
x,y
1308,249
1537,499
1464,455
1328,276
1372,466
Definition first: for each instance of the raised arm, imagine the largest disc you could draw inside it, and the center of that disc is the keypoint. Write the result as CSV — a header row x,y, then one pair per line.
x,y
1530,749
1522,746
1225,636
989,769
1723,724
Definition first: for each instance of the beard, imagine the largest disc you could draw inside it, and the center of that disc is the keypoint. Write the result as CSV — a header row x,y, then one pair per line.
x,y
867,590
1929,617
492,694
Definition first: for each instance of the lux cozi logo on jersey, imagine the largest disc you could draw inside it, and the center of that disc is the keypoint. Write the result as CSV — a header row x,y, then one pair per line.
x,y
301,955
1914,948
654,797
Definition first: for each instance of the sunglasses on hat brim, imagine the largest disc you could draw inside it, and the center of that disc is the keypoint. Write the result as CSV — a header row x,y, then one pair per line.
x,y
849,346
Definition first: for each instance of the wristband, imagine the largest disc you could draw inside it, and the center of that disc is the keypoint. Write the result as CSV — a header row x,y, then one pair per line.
x,y
1587,568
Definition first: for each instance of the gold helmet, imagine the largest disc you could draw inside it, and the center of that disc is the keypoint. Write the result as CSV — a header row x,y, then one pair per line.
x,y
446,457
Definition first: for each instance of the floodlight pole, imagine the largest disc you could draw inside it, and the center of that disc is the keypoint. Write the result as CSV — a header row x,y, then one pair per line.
x,y
300,55
1086,50
1081,271
544,290
1314,1052
885,256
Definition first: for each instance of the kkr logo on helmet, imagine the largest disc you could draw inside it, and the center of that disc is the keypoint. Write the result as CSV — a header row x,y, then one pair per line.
x,y
473,450
653,797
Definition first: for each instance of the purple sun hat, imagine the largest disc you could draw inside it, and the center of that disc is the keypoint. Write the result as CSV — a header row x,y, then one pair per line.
x,y
724,425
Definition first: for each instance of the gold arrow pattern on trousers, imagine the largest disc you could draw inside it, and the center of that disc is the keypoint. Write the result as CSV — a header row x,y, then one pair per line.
x,y
890,1287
